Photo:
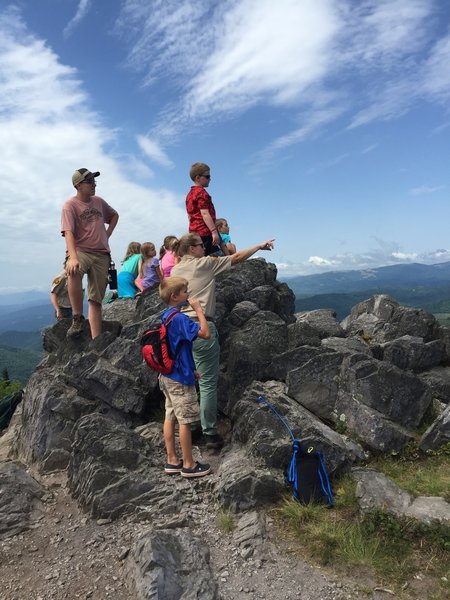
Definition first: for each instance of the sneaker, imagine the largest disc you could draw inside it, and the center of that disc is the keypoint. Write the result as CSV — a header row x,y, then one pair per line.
x,y
198,471
77,326
214,442
172,469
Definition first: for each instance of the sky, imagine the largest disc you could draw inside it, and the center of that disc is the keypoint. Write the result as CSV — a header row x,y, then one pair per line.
x,y
326,124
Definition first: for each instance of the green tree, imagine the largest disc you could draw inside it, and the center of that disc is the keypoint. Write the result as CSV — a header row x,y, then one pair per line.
x,y
5,375
9,387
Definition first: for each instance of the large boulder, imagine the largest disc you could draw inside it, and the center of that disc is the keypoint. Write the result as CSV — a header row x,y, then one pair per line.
x,y
314,384
171,565
381,319
400,396
372,428
411,353
322,321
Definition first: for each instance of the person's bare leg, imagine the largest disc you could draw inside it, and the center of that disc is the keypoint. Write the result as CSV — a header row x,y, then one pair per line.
x,y
186,446
95,318
169,440
75,289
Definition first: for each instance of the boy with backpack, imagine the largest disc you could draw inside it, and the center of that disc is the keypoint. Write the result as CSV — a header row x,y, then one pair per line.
x,y
178,386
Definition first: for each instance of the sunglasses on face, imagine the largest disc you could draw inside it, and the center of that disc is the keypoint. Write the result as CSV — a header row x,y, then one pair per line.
x,y
199,244
90,181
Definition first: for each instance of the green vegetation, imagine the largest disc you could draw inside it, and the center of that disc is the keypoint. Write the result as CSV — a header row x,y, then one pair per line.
x,y
418,473
390,550
7,386
19,362
225,520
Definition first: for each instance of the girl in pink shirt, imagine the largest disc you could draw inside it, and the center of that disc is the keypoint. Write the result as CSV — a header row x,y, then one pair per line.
x,y
167,255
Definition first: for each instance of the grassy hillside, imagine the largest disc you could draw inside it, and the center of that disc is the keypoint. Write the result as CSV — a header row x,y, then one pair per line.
x,y
19,362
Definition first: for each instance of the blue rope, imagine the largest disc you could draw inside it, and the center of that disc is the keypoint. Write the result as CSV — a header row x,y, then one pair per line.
x,y
262,400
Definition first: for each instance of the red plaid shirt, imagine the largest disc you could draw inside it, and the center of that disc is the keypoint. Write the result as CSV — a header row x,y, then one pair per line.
x,y
197,199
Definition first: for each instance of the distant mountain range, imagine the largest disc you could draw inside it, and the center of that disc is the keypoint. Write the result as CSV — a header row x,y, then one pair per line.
x,y
418,285
395,276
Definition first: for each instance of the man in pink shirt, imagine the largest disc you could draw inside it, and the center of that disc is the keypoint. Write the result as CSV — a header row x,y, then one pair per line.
x,y
83,222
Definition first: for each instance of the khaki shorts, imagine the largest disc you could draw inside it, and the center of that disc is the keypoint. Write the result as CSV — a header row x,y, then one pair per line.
x,y
181,401
95,265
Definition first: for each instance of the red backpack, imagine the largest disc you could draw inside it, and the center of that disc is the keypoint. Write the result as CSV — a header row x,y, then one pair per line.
x,y
155,346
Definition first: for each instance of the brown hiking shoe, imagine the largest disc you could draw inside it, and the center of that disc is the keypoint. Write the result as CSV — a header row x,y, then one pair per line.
x,y
77,326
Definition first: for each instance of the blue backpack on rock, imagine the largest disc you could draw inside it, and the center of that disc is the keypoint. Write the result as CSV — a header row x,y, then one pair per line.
x,y
306,474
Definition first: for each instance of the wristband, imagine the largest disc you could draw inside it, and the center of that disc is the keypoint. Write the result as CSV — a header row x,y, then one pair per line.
x,y
215,229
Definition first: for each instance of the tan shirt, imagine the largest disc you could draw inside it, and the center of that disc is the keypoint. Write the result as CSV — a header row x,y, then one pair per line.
x,y
201,276
86,220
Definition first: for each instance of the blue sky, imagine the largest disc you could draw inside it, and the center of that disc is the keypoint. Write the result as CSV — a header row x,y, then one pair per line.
x,y
326,124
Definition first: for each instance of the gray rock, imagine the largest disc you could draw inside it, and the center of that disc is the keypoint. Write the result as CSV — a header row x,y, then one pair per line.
x,y
50,410
314,384
20,503
401,396
350,345
302,333
171,565
323,321
114,471
121,310
250,533
249,351
381,319
438,433
369,426
411,353
267,440
439,381
375,491
244,485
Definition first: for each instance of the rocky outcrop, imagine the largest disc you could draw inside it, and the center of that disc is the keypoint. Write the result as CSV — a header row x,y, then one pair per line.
x,y
363,386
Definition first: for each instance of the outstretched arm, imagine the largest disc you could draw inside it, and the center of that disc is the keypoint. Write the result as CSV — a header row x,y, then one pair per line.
x,y
244,254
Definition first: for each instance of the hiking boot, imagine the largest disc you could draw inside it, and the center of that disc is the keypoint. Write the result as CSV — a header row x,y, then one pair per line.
x,y
77,326
214,442
198,471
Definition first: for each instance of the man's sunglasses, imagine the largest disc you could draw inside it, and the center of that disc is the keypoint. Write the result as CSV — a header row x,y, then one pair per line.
x,y
199,244
90,181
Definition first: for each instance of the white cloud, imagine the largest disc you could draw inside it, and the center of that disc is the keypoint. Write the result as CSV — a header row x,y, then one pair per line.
x,y
50,131
368,149
383,254
288,54
318,261
154,151
425,189
82,11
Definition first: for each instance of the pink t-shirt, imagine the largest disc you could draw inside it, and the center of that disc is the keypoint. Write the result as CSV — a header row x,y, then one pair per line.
x,y
86,220
167,263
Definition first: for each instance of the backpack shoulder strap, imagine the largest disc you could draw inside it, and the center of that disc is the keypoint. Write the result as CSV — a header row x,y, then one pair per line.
x,y
170,316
